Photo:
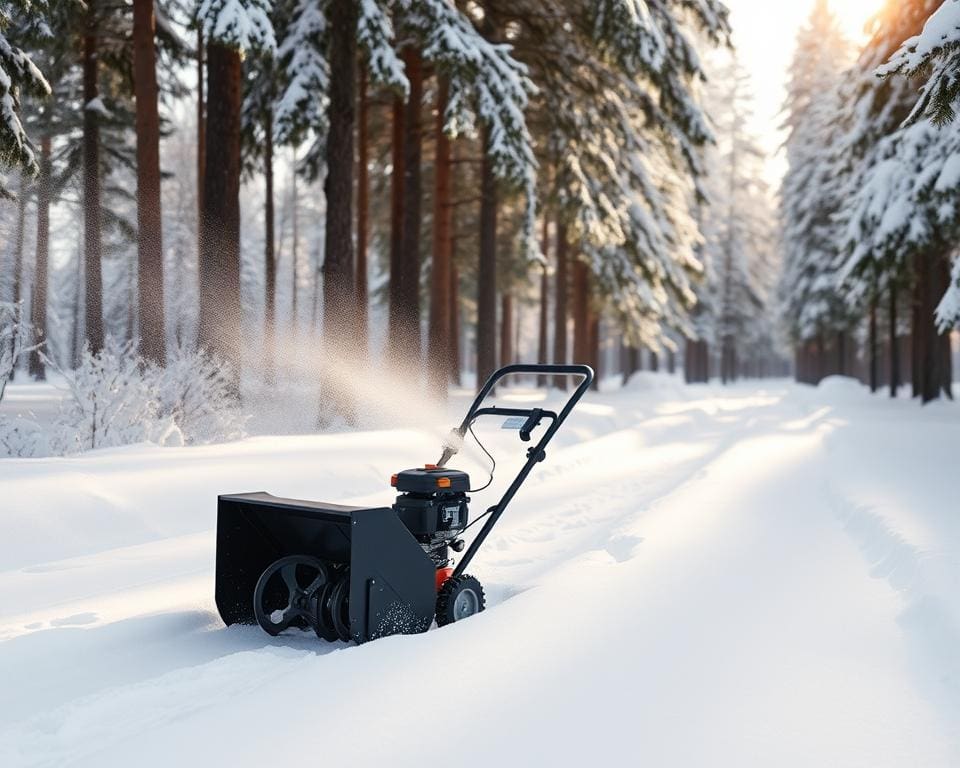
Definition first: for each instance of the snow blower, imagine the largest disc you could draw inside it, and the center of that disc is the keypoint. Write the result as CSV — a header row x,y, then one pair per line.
x,y
357,573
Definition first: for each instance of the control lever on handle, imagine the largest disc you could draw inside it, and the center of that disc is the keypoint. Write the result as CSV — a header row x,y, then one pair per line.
x,y
532,422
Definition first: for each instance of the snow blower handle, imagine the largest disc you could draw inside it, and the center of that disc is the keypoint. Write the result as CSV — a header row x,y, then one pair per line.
x,y
534,416
454,442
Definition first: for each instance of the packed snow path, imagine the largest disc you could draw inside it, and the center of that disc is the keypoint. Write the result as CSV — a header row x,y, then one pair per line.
x,y
695,577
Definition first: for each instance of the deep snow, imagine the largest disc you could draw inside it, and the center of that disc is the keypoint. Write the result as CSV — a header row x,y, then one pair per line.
x,y
757,576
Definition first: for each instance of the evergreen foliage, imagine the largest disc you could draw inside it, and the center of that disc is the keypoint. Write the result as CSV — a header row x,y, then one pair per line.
x,y
18,75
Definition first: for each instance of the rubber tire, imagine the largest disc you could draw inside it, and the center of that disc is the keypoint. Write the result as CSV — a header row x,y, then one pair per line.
x,y
447,598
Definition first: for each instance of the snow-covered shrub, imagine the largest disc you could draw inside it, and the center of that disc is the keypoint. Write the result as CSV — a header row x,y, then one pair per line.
x,y
22,437
16,337
112,401
197,392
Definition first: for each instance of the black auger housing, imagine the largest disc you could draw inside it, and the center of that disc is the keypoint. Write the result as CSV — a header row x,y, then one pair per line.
x,y
359,573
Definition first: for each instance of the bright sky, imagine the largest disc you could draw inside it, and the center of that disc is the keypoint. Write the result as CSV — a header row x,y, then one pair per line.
x,y
765,33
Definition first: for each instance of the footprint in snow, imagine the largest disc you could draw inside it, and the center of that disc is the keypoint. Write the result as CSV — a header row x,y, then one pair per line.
x,y
623,548
77,619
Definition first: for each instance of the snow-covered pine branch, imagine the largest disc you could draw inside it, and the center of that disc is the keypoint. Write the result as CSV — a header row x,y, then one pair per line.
x,y
936,50
626,127
302,105
487,85
242,24
18,74
376,38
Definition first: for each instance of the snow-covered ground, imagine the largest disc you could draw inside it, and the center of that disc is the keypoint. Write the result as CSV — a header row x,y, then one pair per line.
x,y
767,575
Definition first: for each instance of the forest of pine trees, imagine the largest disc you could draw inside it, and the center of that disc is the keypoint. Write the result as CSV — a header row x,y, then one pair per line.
x,y
869,205
449,186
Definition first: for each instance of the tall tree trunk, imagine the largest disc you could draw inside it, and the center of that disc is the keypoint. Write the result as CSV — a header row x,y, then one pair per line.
x,y
894,344
655,361
517,327
821,359
149,229
269,253
38,304
874,360
454,324
409,288
671,362
630,360
581,308
220,310
688,361
696,362
487,272
76,341
593,343
295,253
92,244
931,283
339,298
394,333
363,212
842,369
17,266
542,337
454,284
506,328
560,305
917,342
946,355
201,132
438,335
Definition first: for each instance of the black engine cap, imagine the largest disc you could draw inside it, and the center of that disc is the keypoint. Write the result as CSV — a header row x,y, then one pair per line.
x,y
432,480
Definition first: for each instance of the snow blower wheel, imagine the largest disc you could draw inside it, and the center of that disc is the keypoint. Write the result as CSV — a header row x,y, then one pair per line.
x,y
459,598
299,577
359,573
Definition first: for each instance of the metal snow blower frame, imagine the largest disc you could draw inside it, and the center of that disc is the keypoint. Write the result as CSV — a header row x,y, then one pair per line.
x,y
357,573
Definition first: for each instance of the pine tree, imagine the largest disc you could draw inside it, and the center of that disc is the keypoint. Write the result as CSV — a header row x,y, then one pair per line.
x,y
876,108
624,74
903,212
936,50
738,229
231,27
810,198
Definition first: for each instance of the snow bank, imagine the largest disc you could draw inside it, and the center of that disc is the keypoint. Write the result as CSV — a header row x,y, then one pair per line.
x,y
739,577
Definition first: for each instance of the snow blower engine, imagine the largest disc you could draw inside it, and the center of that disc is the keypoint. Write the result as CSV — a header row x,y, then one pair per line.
x,y
357,573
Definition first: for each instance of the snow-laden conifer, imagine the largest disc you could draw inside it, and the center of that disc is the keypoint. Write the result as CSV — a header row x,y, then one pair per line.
x,y
18,74
738,227
619,96
810,196
903,198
